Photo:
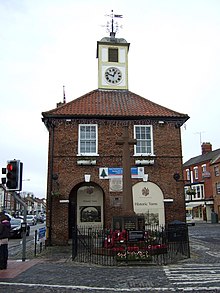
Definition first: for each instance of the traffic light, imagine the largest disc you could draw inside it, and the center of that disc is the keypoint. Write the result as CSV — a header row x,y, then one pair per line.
x,y
14,175
3,179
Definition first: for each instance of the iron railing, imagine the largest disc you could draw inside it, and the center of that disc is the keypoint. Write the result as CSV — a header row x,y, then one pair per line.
x,y
155,245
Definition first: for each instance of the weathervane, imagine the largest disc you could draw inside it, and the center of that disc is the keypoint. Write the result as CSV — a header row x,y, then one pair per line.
x,y
112,26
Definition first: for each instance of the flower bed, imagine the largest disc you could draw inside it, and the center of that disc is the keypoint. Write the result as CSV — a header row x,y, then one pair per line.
x,y
133,255
118,242
157,249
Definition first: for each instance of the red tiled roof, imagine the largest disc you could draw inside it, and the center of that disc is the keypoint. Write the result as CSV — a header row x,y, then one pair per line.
x,y
112,103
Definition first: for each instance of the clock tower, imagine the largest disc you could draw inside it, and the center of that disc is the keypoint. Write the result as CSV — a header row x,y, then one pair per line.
x,y
112,54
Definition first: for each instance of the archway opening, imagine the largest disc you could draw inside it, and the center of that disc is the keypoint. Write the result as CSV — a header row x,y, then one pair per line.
x,y
86,206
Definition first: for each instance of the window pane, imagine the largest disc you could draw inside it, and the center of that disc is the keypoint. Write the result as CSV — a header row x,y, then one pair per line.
x,y
216,170
113,55
82,146
143,132
82,132
93,147
198,191
218,187
148,135
187,175
138,136
138,150
93,132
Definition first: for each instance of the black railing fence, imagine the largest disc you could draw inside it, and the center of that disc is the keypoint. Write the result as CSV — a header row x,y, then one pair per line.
x,y
154,245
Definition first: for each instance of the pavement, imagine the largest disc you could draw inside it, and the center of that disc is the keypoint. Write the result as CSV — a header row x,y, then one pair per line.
x,y
16,267
63,275
54,271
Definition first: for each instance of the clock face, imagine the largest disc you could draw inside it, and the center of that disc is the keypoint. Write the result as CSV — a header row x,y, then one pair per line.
x,y
113,75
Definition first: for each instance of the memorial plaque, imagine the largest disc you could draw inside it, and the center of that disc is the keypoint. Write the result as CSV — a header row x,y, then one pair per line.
x,y
128,223
136,235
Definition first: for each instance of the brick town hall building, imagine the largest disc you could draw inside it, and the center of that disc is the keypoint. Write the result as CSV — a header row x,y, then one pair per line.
x,y
85,185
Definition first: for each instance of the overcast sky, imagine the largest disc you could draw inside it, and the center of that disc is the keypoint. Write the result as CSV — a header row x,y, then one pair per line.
x,y
174,60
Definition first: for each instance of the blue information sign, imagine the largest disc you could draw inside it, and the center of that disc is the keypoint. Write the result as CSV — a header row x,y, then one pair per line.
x,y
42,232
115,171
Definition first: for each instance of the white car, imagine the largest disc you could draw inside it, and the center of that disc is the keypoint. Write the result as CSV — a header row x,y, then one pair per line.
x,y
189,219
31,220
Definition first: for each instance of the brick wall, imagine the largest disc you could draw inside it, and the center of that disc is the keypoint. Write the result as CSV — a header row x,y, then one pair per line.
x,y
216,180
168,160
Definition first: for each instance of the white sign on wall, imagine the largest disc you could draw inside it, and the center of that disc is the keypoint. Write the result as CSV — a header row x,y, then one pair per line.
x,y
103,173
89,206
115,184
148,201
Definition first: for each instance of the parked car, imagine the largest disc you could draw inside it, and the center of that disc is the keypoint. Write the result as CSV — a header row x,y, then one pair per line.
x,y
40,218
15,231
8,215
189,219
31,220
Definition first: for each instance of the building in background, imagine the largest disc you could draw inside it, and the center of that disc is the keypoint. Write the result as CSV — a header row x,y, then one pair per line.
x,y
202,183
8,203
215,173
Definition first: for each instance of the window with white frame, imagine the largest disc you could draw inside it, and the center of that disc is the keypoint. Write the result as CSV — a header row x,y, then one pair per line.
x,y
218,187
199,191
144,136
194,196
187,196
204,168
187,174
202,191
196,173
194,192
88,139
216,170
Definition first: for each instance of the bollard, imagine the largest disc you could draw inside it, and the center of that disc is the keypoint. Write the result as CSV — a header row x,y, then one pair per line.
x,y
74,242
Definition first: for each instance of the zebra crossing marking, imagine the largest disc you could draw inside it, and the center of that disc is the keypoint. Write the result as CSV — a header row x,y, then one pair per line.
x,y
194,274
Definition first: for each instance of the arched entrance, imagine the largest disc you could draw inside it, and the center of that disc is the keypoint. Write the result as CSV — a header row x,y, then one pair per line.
x,y
148,201
86,206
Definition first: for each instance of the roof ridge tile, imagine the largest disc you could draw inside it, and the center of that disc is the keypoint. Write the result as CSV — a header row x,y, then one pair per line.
x,y
113,103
